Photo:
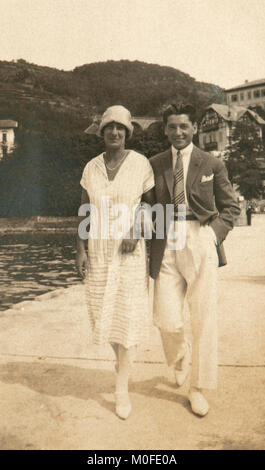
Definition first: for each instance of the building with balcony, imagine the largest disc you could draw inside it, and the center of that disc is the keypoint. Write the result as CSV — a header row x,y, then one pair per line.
x,y
248,94
217,123
7,136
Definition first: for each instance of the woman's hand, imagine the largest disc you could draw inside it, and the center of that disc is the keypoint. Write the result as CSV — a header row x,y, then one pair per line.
x,y
81,263
128,245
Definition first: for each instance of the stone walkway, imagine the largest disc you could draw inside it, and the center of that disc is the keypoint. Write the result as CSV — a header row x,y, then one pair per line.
x,y
56,392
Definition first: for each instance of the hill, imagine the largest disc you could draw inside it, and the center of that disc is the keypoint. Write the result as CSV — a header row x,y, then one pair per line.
x,y
143,88
53,107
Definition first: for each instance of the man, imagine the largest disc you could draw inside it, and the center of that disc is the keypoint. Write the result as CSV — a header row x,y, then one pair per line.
x,y
249,211
184,174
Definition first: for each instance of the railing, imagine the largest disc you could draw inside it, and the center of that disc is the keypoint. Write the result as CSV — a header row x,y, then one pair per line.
x,y
209,127
210,146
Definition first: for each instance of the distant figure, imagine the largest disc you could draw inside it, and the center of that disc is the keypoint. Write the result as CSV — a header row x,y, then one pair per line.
x,y
187,176
116,279
249,211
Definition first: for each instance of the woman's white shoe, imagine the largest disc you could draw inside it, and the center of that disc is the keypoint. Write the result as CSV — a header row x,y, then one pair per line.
x,y
123,404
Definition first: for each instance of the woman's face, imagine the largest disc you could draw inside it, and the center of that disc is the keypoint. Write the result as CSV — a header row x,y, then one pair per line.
x,y
114,135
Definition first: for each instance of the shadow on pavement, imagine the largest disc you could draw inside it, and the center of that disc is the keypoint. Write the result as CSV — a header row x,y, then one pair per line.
x,y
152,388
60,380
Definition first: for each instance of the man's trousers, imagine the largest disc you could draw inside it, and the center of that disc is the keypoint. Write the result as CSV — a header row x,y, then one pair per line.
x,y
190,273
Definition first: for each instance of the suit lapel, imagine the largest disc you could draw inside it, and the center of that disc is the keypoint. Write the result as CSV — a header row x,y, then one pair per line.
x,y
195,163
168,171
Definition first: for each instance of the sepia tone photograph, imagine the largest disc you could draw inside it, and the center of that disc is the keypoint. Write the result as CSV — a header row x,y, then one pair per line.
x,y
132,226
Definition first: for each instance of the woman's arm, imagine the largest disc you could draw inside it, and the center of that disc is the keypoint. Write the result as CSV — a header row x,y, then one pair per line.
x,y
81,259
129,245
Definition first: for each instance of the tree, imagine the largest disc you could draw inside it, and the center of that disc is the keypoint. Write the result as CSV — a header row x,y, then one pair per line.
x,y
242,158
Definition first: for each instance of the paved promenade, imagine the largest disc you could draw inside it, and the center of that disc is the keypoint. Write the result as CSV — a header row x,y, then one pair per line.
x,y
56,392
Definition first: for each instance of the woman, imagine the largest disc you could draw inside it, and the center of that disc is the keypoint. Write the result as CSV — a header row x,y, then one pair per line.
x,y
116,269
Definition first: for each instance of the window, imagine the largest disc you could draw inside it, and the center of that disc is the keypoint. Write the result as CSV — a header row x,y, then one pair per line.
x,y
212,137
249,95
242,96
234,98
256,93
4,138
263,92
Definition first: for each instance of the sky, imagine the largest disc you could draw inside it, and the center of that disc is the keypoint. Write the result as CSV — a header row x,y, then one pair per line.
x,y
215,41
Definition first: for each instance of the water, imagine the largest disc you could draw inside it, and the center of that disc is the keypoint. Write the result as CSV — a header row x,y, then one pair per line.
x,y
34,263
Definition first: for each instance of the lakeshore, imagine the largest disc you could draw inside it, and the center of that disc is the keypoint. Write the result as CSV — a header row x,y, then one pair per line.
x,y
55,224
38,224
35,262
37,255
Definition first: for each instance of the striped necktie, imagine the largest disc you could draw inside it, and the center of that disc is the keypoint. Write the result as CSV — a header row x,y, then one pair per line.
x,y
178,188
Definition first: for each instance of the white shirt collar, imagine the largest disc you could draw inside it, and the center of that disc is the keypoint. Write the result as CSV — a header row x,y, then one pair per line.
x,y
186,152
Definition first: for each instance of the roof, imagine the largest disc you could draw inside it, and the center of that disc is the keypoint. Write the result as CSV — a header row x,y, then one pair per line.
x,y
8,123
234,113
248,84
228,113
257,117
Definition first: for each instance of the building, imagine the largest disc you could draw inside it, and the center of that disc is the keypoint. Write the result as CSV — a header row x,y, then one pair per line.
x,y
7,136
141,122
217,124
247,94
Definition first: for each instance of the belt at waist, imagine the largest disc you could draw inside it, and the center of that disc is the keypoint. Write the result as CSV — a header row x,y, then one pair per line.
x,y
187,217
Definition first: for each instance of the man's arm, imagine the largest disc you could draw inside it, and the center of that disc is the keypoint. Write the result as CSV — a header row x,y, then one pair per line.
x,y
149,197
226,203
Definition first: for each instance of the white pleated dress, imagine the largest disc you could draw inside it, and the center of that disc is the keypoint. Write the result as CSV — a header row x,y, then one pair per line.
x,y
116,283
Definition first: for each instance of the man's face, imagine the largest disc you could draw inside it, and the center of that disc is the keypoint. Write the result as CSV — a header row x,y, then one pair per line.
x,y
180,130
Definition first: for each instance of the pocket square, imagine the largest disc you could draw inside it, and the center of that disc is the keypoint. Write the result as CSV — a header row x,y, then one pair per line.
x,y
206,178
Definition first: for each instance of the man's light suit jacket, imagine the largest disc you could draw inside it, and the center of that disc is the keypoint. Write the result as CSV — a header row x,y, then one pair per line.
x,y
210,198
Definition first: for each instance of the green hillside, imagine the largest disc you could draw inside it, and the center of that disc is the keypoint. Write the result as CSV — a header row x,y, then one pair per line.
x,y
143,88
53,107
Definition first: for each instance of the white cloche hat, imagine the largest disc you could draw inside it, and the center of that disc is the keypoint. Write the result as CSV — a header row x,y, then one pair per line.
x,y
117,114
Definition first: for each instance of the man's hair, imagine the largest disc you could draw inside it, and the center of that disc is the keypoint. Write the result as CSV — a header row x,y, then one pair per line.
x,y
180,108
